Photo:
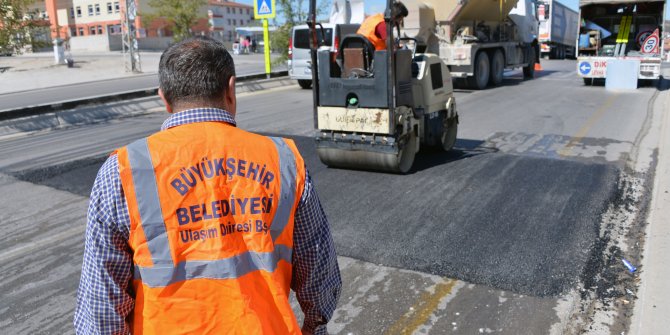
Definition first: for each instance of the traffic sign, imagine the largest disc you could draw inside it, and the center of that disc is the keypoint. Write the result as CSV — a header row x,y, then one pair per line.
x,y
264,9
584,68
650,44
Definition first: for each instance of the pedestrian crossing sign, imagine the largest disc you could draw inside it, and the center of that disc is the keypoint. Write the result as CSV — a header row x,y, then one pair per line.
x,y
264,9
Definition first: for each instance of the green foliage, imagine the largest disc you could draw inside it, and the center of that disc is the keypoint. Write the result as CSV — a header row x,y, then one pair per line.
x,y
181,14
279,42
16,26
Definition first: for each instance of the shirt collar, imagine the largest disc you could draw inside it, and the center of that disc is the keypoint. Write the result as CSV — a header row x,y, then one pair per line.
x,y
198,115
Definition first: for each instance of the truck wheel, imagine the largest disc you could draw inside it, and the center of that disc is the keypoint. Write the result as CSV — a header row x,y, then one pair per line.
x,y
497,68
306,84
529,71
480,78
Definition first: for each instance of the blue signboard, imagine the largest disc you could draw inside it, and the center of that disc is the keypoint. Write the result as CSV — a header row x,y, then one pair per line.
x,y
584,68
264,9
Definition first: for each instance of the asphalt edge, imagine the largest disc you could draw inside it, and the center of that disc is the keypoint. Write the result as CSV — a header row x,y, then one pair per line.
x,y
653,304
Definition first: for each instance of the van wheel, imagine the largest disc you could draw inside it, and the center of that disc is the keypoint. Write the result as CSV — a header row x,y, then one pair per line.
x,y
306,84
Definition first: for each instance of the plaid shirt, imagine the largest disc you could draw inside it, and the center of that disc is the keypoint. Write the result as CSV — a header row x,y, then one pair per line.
x,y
105,298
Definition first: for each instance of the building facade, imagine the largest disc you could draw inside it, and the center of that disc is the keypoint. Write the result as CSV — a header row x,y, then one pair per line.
x,y
72,18
225,16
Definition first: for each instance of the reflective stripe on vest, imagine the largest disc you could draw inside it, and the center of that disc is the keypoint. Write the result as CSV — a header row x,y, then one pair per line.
x,y
163,272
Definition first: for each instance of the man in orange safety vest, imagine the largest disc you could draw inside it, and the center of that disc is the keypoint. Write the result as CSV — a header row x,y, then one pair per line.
x,y
202,227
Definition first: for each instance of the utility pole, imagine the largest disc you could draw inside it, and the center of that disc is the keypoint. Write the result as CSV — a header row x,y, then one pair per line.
x,y
131,52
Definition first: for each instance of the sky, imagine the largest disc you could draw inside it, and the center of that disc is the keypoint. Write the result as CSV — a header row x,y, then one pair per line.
x,y
376,6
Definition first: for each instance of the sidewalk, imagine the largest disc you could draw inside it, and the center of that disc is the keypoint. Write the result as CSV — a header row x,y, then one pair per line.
x,y
37,70
653,306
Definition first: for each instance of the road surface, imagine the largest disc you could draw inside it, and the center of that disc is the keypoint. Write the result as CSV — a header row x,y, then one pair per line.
x,y
519,230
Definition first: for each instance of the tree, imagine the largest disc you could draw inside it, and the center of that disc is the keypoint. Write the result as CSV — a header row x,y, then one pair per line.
x,y
16,25
294,13
181,14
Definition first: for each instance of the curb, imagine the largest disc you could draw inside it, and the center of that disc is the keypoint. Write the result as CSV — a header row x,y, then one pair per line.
x,y
10,114
653,304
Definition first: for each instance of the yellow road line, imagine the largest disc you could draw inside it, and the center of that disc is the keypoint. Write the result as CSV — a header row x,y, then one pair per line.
x,y
579,136
422,310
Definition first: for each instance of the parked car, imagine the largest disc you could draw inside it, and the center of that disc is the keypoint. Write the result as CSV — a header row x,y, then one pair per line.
x,y
299,58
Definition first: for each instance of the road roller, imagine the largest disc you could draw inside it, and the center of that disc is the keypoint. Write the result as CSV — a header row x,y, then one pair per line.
x,y
373,109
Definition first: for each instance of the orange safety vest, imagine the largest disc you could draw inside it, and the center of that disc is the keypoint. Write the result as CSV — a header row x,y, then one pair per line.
x,y
367,29
211,230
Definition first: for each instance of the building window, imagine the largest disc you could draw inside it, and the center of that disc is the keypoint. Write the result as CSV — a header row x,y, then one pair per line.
x,y
234,22
248,11
115,29
81,31
97,9
228,21
91,30
228,10
73,32
116,6
99,30
90,10
78,12
72,12
109,8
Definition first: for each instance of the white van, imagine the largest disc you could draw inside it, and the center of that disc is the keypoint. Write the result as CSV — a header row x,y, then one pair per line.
x,y
299,58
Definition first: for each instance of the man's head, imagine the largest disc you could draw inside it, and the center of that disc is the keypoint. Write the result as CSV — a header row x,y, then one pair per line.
x,y
398,12
197,72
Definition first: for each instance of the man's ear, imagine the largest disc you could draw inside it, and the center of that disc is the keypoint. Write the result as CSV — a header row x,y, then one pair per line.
x,y
167,105
230,98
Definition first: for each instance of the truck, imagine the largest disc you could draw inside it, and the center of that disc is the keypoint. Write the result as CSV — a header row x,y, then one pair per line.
x,y
476,39
558,30
620,30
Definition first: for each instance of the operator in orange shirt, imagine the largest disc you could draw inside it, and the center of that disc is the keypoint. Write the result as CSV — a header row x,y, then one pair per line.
x,y
374,26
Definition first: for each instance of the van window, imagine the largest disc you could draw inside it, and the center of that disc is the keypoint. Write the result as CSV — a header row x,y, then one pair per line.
x,y
301,37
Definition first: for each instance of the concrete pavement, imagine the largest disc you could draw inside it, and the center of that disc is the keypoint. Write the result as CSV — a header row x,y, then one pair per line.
x,y
653,305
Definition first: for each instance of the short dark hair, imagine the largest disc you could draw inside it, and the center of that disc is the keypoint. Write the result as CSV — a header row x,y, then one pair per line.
x,y
195,70
398,10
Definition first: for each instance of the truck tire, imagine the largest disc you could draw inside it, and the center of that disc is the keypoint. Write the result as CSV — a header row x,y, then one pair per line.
x,y
480,77
529,71
306,84
497,67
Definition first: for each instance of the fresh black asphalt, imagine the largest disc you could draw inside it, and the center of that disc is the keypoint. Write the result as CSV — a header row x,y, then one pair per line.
x,y
520,223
